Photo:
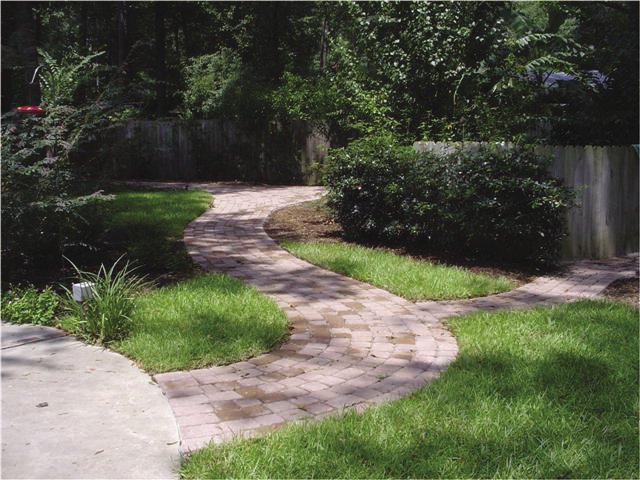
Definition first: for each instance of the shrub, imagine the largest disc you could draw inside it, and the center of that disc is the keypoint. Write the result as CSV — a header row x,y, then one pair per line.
x,y
105,317
44,198
28,305
492,201
497,201
209,79
369,183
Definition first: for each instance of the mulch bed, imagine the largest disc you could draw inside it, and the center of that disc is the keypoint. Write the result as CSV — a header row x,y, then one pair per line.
x,y
312,222
625,290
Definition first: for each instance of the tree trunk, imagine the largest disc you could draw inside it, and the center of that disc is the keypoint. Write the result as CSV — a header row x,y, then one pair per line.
x,y
323,44
188,44
83,32
122,32
26,38
160,67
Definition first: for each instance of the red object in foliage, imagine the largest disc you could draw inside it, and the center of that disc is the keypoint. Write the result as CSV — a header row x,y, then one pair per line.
x,y
31,110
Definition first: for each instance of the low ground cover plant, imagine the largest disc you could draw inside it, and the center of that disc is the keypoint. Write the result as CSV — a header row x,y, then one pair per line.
x,y
404,276
545,393
30,305
496,201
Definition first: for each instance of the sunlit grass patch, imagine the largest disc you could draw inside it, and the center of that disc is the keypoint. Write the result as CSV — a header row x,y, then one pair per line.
x,y
407,277
209,319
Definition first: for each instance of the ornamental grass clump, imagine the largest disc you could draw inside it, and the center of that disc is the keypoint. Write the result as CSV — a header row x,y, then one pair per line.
x,y
106,317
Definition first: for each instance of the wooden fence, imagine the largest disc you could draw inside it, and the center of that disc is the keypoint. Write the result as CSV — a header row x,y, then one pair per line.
x,y
217,150
605,178
606,221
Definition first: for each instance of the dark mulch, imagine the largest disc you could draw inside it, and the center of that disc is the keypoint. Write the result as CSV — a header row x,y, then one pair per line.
x,y
625,290
312,222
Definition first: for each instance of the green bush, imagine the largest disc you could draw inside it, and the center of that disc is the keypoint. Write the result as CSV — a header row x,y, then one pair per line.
x,y
28,305
45,197
497,201
209,79
105,317
493,201
369,183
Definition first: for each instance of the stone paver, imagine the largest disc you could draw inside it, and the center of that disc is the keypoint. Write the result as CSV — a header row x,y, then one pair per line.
x,y
351,344
584,279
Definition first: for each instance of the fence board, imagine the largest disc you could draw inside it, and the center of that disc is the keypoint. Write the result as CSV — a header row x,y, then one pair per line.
x,y
218,150
605,178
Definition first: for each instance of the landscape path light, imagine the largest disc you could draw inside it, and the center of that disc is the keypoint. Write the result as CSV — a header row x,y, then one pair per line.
x,y
83,291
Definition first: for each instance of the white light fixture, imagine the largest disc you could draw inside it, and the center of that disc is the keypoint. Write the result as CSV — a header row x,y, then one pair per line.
x,y
83,291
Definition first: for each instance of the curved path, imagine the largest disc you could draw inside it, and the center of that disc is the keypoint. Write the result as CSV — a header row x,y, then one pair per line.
x,y
351,344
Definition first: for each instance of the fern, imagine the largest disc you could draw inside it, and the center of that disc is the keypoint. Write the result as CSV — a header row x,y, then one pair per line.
x,y
59,80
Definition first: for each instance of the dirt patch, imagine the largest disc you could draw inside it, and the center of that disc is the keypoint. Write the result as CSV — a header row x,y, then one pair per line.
x,y
625,290
312,222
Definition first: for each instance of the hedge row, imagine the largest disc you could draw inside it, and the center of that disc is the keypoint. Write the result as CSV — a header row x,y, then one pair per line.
x,y
496,201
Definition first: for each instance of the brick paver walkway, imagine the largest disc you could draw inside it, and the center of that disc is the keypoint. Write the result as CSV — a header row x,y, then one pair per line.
x,y
351,344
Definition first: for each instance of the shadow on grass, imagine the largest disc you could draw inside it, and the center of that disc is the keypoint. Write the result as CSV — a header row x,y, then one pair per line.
x,y
490,415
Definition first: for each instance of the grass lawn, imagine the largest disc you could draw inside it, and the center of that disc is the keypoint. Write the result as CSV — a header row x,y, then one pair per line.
x,y
149,226
545,393
206,320
201,320
404,276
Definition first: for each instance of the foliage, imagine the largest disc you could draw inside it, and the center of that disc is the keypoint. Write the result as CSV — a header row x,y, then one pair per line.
x,y
60,79
208,81
442,70
494,201
53,167
338,104
497,201
428,55
369,183
545,393
28,305
45,194
107,316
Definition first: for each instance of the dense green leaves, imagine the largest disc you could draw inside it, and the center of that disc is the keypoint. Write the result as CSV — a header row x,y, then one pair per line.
x,y
59,80
28,305
491,201
435,70
45,195
208,82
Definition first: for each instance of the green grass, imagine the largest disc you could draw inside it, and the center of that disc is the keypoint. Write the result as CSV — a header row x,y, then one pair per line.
x,y
546,393
201,321
409,278
149,225
209,319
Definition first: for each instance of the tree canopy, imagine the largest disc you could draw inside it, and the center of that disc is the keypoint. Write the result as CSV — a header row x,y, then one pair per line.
x,y
561,72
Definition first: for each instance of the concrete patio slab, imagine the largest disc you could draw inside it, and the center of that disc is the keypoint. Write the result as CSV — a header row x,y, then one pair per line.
x,y
71,410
